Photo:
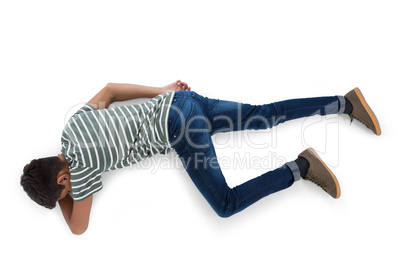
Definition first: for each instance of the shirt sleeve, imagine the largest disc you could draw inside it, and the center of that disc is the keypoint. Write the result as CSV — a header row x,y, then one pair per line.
x,y
85,181
85,108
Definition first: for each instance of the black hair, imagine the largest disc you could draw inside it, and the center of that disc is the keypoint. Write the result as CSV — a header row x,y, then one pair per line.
x,y
39,180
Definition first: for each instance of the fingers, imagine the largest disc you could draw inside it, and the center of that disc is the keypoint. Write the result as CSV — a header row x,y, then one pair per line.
x,y
179,84
182,85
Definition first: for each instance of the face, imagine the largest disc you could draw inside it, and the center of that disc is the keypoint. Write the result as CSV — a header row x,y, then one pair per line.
x,y
65,192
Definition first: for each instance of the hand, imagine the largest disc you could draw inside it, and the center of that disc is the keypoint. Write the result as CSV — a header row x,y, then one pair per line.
x,y
176,86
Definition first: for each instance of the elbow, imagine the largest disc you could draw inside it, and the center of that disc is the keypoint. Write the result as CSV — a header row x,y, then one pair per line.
x,y
109,85
108,92
108,88
78,231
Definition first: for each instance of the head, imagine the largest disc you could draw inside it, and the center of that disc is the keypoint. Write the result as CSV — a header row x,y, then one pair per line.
x,y
47,180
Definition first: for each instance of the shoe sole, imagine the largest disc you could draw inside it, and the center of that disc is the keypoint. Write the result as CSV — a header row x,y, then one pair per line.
x,y
370,112
338,188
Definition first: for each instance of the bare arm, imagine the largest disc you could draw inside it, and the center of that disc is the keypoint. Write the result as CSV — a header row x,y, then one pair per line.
x,y
76,214
120,92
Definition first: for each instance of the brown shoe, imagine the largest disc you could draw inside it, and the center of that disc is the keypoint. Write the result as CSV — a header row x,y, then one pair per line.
x,y
320,174
362,111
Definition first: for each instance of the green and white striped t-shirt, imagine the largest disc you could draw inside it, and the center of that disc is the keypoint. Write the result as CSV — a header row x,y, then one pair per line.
x,y
94,141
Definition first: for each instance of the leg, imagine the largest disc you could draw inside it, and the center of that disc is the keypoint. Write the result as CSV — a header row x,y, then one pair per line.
x,y
226,115
204,170
202,165
190,129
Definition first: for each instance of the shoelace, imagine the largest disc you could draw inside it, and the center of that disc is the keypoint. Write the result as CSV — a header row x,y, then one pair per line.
x,y
359,119
317,181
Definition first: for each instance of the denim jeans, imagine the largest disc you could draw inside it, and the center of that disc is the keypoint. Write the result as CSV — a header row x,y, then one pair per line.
x,y
193,119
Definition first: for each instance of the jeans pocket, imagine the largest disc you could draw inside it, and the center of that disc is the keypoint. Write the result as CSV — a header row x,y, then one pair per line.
x,y
212,103
199,98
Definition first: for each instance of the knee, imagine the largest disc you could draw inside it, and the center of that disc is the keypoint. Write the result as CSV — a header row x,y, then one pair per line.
x,y
224,214
226,204
225,210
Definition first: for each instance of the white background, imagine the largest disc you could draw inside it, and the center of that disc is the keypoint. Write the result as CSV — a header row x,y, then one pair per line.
x,y
56,55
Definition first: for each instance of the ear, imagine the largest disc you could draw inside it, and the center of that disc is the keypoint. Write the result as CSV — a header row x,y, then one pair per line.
x,y
62,179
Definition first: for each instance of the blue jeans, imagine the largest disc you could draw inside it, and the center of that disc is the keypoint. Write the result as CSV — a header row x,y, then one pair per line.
x,y
193,119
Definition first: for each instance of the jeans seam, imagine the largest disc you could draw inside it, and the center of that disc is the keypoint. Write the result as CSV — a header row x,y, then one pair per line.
x,y
178,114
199,98
314,113
231,205
213,105
261,189
209,186
202,103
